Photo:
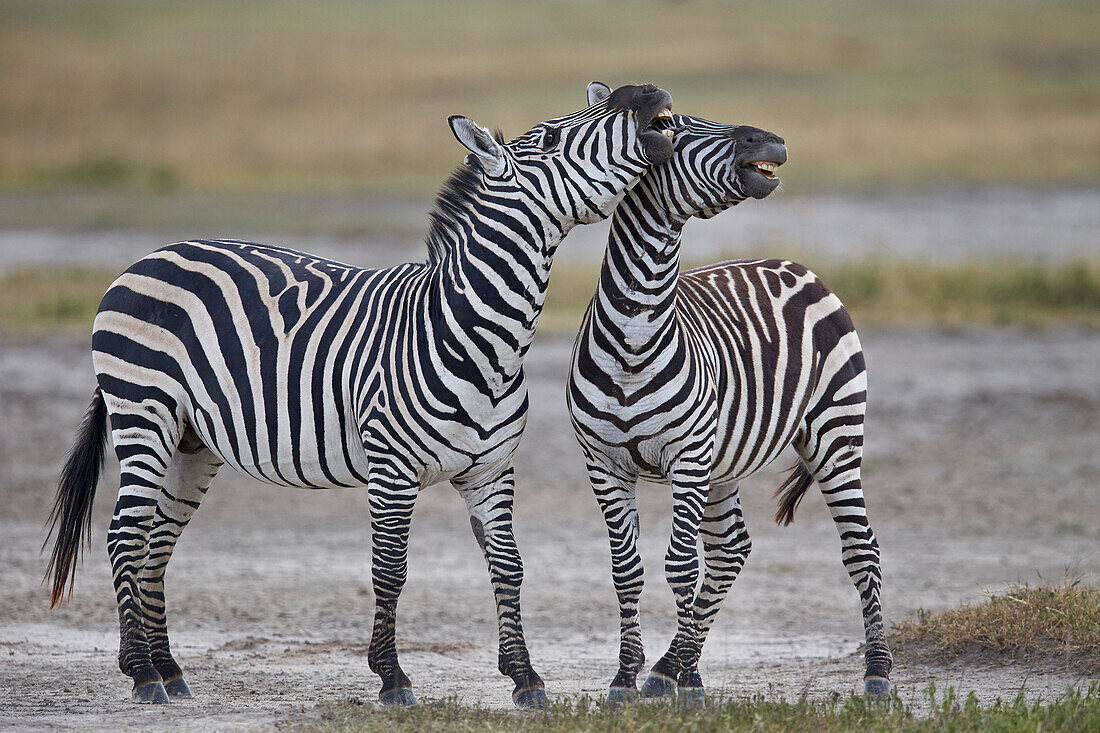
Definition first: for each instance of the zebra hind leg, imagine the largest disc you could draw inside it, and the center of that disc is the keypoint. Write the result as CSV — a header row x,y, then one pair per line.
x,y
490,509
143,447
392,490
617,500
192,469
835,459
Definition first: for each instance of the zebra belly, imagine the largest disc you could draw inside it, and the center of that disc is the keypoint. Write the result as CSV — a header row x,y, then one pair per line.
x,y
472,444
731,464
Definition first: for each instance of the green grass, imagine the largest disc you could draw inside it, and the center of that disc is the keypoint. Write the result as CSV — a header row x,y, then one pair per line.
x,y
40,301
890,292
1048,619
879,293
1075,711
339,95
1055,622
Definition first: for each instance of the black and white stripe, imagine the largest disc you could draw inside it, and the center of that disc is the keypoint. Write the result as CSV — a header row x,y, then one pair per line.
x,y
305,372
702,378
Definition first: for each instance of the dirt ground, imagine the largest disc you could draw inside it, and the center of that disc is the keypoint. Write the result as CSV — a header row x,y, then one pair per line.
x,y
982,468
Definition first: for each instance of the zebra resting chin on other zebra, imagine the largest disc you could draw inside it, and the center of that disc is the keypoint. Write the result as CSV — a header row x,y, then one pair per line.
x,y
701,379
300,371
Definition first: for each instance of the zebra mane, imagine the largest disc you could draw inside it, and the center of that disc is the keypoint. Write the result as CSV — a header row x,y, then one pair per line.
x,y
456,197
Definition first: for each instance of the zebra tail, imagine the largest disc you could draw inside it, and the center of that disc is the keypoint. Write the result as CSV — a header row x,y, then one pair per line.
x,y
71,516
790,493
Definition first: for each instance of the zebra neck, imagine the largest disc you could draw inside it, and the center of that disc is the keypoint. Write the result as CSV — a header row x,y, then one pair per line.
x,y
490,289
636,300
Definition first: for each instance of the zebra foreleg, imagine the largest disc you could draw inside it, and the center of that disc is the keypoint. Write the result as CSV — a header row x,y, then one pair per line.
x,y
392,491
192,469
726,546
690,487
617,499
490,508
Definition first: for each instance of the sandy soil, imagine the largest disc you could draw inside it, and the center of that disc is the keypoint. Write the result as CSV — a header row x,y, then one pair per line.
x,y
982,465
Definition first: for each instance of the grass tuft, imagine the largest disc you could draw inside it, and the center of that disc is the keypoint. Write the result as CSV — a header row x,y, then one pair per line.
x,y
1057,623
1075,711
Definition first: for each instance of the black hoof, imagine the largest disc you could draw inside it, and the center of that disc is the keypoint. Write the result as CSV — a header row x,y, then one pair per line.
x,y
876,686
690,697
177,689
619,696
533,698
151,692
400,696
658,685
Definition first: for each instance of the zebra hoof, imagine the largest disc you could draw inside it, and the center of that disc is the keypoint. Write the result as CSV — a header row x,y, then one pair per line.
x,y
177,689
690,697
876,686
402,696
619,696
658,685
532,698
151,693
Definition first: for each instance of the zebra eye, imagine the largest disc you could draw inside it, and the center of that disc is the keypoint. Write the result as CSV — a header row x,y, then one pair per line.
x,y
550,137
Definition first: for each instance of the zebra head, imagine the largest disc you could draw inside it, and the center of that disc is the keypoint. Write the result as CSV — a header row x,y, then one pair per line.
x,y
578,166
715,166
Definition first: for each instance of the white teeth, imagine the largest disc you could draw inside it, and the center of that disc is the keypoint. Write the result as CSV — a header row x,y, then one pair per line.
x,y
764,166
665,114
668,133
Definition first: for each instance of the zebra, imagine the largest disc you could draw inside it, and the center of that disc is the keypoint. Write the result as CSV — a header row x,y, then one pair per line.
x,y
301,371
701,379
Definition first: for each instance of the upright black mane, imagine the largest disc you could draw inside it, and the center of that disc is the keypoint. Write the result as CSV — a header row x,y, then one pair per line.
x,y
454,199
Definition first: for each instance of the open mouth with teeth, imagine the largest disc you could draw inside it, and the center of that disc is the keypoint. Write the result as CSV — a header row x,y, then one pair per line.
x,y
662,123
657,135
765,168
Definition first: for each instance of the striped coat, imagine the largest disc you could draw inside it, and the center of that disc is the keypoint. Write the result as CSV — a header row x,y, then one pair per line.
x,y
702,378
306,372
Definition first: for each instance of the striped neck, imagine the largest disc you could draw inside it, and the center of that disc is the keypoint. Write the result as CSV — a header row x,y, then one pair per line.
x,y
488,290
636,299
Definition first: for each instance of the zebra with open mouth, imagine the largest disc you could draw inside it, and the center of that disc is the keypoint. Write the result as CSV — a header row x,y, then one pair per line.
x,y
702,378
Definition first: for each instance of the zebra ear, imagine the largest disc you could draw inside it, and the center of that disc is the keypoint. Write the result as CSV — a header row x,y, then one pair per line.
x,y
478,141
597,92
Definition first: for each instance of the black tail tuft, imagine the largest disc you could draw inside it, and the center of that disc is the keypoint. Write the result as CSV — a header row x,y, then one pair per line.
x,y
72,509
792,490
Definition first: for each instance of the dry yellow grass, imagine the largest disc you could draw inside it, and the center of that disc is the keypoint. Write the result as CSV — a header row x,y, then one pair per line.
x,y
336,95
1045,623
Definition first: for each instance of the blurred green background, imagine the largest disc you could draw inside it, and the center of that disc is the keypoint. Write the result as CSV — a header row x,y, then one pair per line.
x,y
171,115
